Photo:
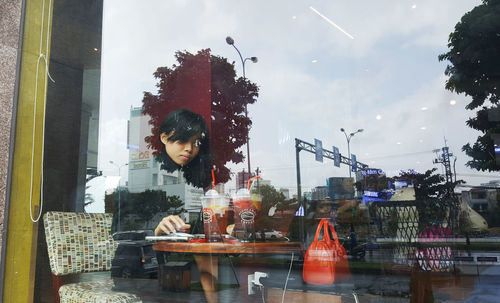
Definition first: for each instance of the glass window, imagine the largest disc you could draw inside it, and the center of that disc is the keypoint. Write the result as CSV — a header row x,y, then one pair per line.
x,y
276,133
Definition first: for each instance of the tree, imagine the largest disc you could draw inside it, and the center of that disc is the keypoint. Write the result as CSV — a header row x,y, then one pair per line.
x,y
475,71
148,203
228,95
427,185
174,205
144,205
435,199
270,197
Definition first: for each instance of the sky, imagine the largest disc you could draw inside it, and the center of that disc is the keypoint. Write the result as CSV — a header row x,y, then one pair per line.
x,y
322,66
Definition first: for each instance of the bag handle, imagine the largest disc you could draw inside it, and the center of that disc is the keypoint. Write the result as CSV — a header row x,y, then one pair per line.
x,y
339,249
322,224
334,233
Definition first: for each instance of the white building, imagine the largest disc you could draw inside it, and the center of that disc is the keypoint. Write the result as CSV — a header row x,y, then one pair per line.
x,y
319,193
145,173
483,197
285,192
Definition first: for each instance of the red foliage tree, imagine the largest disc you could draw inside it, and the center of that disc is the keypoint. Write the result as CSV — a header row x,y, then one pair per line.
x,y
212,90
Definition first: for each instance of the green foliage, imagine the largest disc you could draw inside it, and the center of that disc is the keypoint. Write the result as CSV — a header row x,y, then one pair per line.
x,y
475,71
148,203
435,197
270,197
229,96
493,216
145,204
427,185
174,205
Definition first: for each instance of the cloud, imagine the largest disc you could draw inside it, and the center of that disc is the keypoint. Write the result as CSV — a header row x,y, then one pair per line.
x,y
389,69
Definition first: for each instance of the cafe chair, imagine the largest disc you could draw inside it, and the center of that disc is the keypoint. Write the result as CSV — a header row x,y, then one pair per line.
x,y
82,243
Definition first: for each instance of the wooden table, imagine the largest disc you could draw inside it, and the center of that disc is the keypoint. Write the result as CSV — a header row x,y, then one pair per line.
x,y
206,256
229,248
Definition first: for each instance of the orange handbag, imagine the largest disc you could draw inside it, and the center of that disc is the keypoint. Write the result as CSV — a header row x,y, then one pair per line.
x,y
319,262
342,271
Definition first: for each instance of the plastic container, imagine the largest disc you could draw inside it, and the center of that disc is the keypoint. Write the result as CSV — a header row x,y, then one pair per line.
x,y
215,213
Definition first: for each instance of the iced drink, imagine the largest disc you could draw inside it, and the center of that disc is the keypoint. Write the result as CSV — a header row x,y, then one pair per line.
x,y
246,211
215,214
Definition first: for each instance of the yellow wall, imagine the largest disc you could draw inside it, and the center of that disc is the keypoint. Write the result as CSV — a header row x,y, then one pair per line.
x,y
22,232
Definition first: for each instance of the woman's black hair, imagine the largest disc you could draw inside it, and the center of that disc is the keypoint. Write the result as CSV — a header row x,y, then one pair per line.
x,y
180,125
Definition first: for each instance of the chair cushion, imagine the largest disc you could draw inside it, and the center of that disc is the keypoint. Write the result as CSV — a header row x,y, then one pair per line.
x,y
94,292
79,242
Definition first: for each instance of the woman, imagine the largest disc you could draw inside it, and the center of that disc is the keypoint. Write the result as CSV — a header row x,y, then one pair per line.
x,y
186,147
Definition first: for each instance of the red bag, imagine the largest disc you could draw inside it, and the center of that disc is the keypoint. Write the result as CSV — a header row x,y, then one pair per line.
x,y
342,271
319,262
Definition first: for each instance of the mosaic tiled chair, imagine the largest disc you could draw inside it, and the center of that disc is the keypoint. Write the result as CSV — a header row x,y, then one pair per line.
x,y
80,243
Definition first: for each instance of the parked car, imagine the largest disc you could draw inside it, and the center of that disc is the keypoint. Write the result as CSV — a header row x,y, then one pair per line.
x,y
134,259
132,235
271,234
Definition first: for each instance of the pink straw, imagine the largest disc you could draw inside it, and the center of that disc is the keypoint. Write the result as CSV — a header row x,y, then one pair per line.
x,y
250,181
213,179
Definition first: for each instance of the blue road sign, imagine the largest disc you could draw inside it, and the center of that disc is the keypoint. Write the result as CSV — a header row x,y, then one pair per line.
x,y
354,163
336,156
319,150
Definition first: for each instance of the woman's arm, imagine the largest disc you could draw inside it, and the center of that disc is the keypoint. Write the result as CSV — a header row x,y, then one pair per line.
x,y
171,224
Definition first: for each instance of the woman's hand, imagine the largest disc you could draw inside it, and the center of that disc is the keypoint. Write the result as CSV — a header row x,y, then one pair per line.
x,y
171,224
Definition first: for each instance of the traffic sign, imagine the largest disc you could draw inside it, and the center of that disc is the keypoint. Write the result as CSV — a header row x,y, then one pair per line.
x,y
336,156
319,150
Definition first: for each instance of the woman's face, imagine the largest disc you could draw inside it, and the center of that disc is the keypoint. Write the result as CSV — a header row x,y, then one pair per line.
x,y
181,152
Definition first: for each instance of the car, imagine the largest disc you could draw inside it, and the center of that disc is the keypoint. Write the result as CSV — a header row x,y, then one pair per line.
x,y
134,259
272,234
132,235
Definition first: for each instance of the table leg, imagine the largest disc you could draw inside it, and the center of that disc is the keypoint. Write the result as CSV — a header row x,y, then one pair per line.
x,y
208,266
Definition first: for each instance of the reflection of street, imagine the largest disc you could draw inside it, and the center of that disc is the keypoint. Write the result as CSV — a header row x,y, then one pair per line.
x,y
377,278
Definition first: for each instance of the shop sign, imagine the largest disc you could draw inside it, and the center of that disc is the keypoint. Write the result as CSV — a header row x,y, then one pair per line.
x,y
140,164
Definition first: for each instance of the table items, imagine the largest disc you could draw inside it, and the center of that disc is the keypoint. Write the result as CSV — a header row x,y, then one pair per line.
x,y
246,210
215,213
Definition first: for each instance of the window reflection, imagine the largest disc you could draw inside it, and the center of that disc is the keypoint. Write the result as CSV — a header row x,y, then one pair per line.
x,y
406,201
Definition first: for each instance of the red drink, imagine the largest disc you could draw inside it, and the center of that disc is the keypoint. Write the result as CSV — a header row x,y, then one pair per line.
x,y
214,224
215,214
246,212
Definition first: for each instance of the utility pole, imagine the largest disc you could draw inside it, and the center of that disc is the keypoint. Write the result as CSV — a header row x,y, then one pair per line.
x,y
257,171
453,205
444,159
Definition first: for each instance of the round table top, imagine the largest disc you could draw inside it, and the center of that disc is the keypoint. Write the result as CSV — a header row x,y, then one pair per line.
x,y
229,248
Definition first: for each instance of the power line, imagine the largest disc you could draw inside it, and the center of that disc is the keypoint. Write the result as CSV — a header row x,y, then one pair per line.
x,y
476,176
400,155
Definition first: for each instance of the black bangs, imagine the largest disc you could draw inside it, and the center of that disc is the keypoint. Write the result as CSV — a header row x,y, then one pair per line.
x,y
183,124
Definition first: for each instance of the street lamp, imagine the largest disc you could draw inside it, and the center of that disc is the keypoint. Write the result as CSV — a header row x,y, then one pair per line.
x,y
230,41
118,188
348,138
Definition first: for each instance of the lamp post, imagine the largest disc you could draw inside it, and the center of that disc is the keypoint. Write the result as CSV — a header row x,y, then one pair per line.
x,y
348,138
230,41
118,188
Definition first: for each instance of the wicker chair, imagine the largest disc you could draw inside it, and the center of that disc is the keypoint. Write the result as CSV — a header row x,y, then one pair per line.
x,y
80,243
